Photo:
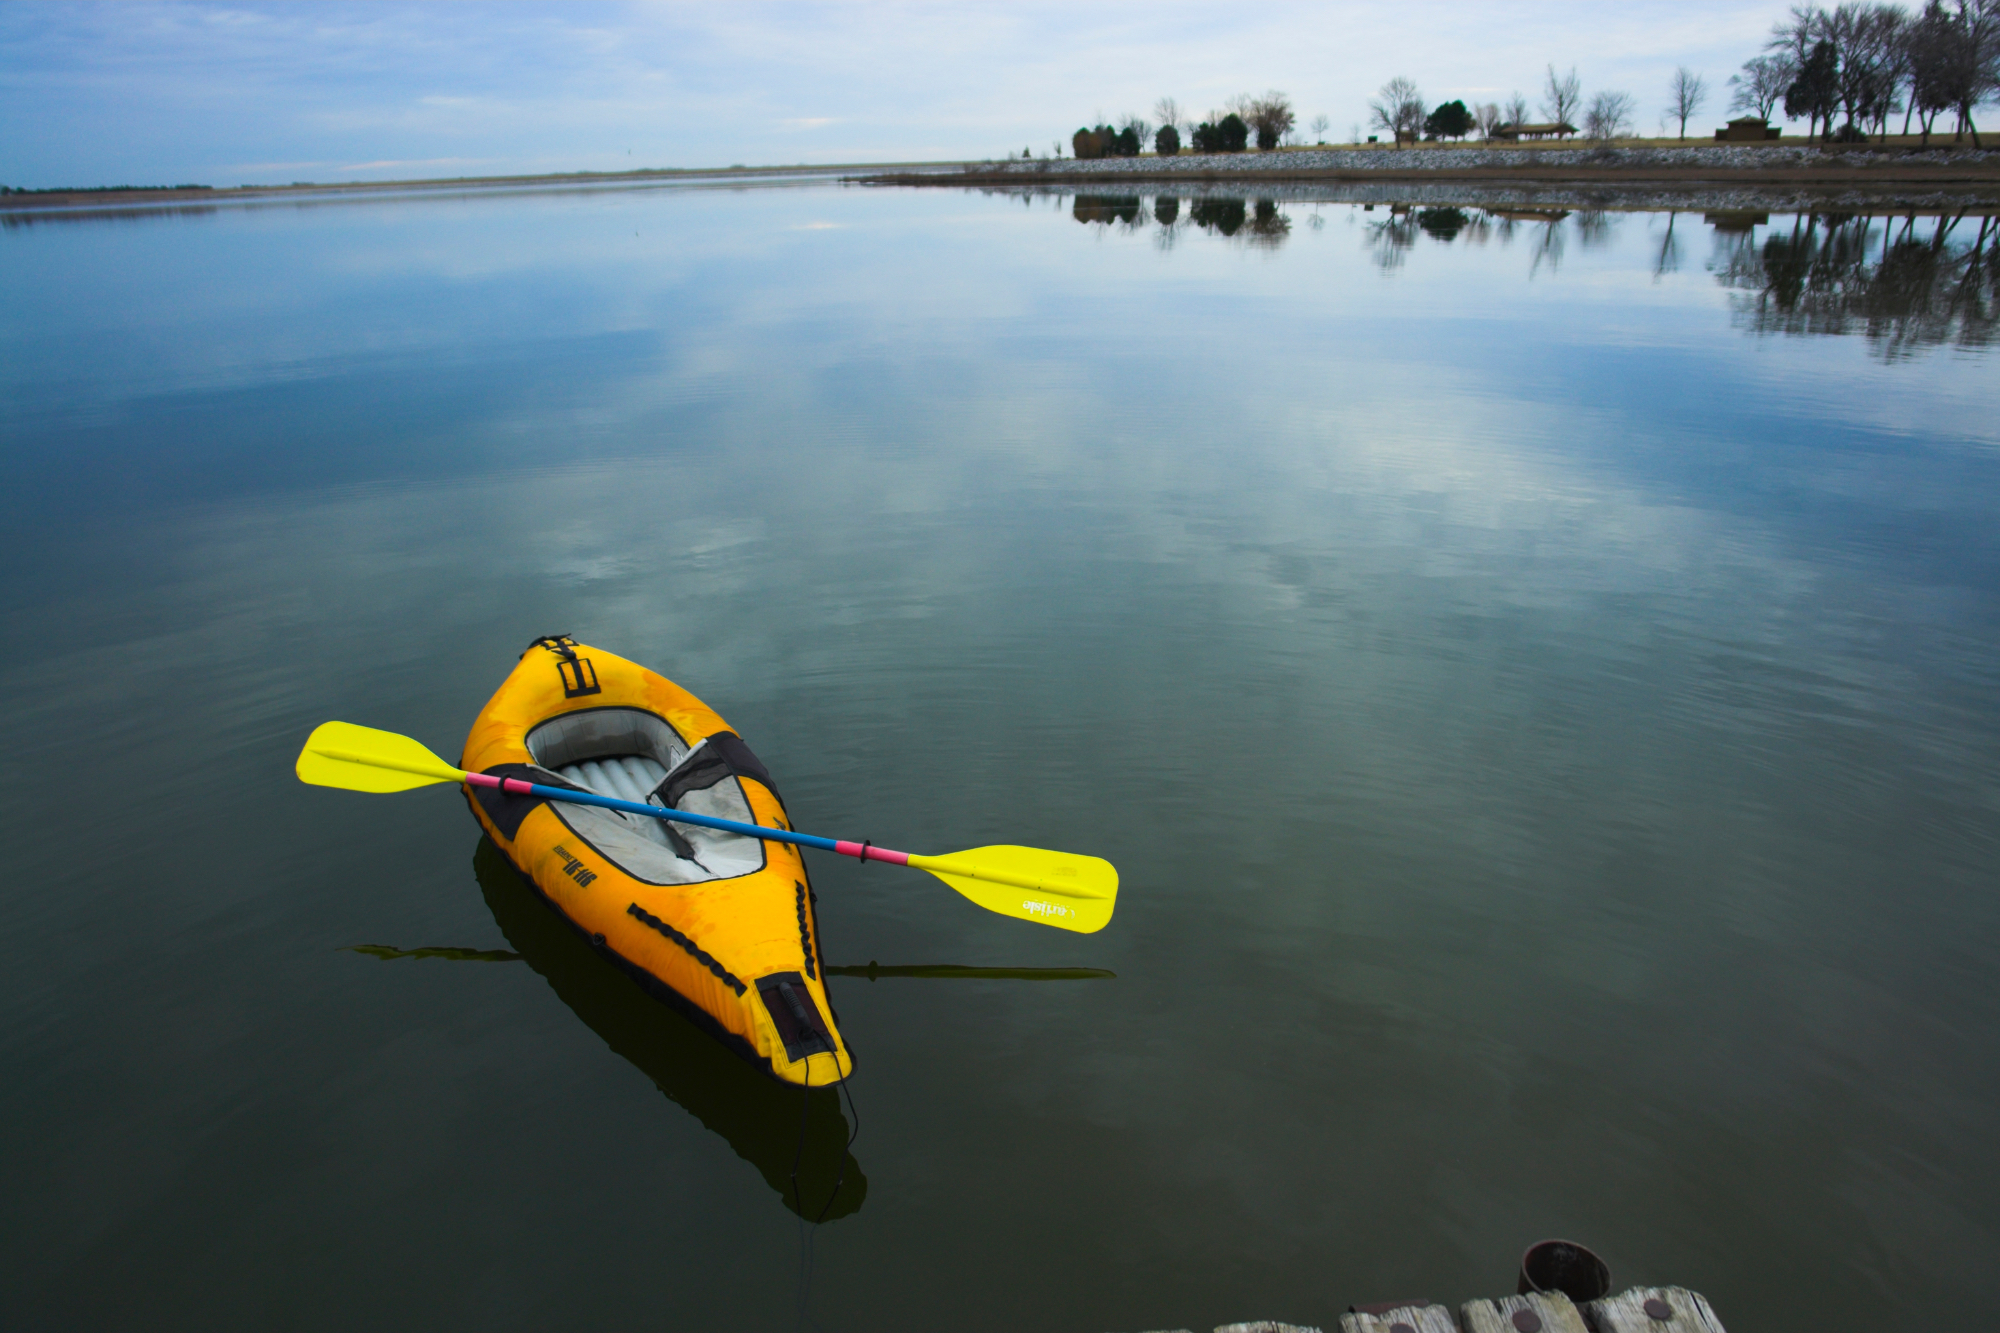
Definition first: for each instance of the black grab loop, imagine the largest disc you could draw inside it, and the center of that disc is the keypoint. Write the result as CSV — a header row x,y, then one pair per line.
x,y
865,845
562,645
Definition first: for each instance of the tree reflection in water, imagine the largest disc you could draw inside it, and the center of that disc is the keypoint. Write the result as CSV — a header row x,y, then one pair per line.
x,y
1595,227
1225,216
1906,285
1268,227
1256,223
1668,258
1107,208
1390,238
1443,223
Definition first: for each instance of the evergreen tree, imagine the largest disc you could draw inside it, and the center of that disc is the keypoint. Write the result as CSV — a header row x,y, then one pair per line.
x,y
1815,91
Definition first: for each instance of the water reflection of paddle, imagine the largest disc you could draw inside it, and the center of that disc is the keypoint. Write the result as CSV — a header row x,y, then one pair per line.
x,y
386,952
947,972
759,1116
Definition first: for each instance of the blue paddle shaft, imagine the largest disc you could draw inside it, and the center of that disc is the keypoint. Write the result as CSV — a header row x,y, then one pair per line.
x,y
677,816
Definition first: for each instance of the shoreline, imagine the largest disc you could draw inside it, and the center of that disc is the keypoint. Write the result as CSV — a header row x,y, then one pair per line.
x,y
1880,174
1763,175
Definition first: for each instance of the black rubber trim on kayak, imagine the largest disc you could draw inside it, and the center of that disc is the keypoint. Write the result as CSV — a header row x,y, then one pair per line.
x,y
699,954
794,1014
723,756
506,809
805,930
812,919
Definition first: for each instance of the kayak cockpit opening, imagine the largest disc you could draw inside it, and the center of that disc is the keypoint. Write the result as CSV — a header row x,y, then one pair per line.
x,y
634,755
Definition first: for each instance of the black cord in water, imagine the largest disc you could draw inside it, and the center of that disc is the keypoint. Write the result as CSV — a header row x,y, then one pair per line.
x,y
806,1230
851,1108
804,1320
799,1152
846,1153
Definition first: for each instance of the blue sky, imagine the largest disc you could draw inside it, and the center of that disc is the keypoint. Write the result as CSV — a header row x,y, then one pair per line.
x,y
224,94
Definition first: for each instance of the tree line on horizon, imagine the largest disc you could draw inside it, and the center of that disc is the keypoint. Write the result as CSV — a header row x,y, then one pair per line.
x,y
1860,63
1228,129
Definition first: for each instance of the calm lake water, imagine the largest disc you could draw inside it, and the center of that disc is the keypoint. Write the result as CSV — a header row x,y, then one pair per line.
x,y
1536,674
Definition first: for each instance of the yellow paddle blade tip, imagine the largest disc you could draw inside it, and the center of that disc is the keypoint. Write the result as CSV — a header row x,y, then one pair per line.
x,y
1057,889
356,758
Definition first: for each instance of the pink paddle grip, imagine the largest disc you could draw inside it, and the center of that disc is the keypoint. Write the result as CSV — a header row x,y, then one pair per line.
x,y
867,852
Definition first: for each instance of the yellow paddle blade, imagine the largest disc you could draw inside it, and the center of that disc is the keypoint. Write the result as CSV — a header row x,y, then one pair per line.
x,y
340,754
1053,888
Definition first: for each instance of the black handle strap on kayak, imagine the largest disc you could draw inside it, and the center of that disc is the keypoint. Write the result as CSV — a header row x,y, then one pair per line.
x,y
562,645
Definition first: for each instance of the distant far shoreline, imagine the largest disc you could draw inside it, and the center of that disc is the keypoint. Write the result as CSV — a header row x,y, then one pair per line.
x,y
127,197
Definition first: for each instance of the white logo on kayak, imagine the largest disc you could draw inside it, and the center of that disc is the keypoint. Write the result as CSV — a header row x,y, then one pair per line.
x,y
1046,909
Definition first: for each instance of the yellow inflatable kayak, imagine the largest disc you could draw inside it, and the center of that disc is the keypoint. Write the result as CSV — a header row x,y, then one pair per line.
x,y
718,924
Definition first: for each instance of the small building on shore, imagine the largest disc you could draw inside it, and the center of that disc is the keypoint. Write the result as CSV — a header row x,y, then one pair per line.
x,y
1747,129
1559,129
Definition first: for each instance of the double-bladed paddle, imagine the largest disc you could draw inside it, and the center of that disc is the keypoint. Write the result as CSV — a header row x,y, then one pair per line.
x,y
1052,888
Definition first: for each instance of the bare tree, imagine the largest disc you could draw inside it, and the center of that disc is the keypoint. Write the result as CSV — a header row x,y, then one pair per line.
x,y
1141,131
1793,37
1168,112
1867,40
1929,47
1889,63
1562,96
1486,115
1761,85
1893,74
1609,117
1971,65
1685,94
1320,125
1516,111
1270,116
1399,109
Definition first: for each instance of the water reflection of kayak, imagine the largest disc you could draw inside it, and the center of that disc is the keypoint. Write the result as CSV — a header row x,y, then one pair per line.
x,y
759,1116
